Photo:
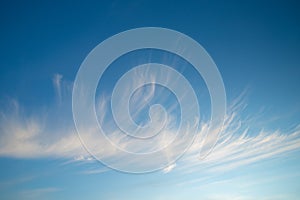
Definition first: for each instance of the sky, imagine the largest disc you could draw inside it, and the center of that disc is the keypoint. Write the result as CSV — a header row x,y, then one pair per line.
x,y
254,44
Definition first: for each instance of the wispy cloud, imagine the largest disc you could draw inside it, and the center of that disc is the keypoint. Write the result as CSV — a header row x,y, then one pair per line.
x,y
57,79
62,88
96,171
4,184
38,193
237,146
31,136
169,168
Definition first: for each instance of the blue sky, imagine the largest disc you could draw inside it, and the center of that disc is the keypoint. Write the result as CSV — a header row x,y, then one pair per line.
x,y
256,47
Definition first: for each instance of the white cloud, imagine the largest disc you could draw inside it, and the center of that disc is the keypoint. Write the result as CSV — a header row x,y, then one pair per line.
x,y
32,136
57,79
237,146
169,168
38,193
96,171
13,182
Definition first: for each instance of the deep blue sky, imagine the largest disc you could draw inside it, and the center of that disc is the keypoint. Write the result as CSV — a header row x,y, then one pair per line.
x,y
259,40
255,44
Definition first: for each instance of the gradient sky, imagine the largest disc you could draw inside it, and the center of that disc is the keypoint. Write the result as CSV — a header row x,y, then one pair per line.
x,y
256,46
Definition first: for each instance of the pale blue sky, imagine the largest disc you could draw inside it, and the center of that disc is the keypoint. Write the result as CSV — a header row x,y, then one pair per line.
x,y
256,46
